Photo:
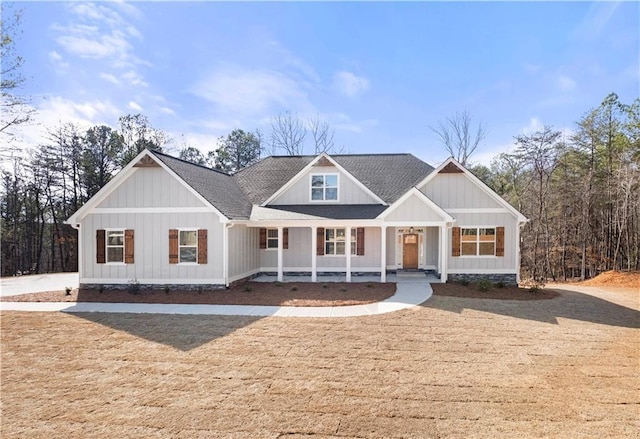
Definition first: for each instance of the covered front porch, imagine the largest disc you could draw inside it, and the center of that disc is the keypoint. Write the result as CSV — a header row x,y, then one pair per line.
x,y
376,253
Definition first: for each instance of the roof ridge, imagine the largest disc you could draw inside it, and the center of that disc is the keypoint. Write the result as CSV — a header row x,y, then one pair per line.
x,y
219,171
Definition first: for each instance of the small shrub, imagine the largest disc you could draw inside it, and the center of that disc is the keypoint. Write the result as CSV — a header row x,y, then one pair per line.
x,y
134,286
166,289
464,282
278,284
67,291
325,286
200,289
343,289
484,285
500,284
534,289
294,288
370,285
101,289
247,289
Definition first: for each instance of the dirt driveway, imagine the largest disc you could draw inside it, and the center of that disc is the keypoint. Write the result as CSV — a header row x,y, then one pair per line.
x,y
454,367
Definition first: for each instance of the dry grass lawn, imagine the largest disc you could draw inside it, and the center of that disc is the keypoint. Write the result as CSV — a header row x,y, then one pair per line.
x,y
454,367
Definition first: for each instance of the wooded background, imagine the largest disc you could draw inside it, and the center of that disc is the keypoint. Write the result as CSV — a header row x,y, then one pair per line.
x,y
579,191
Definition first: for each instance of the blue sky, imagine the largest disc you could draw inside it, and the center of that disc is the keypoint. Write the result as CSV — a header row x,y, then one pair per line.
x,y
380,73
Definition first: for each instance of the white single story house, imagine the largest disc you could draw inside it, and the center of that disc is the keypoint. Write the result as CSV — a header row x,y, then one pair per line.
x,y
164,221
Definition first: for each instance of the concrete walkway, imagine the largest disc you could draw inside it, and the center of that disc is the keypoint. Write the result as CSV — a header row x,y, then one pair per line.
x,y
36,283
410,292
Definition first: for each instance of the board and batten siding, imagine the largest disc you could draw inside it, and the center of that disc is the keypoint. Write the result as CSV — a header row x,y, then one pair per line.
x,y
431,246
244,253
152,247
451,191
150,187
413,209
348,191
488,263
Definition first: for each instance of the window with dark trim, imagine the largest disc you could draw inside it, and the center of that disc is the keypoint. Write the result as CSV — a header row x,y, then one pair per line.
x,y
478,241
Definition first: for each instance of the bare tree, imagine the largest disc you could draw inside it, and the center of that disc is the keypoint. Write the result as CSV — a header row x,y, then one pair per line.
x,y
287,134
14,108
458,136
322,135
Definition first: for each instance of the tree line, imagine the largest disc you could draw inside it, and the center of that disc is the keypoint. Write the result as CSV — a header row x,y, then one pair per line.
x,y
581,193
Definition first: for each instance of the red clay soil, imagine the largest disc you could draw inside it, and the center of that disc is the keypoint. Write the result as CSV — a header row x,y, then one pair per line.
x,y
248,293
624,279
508,292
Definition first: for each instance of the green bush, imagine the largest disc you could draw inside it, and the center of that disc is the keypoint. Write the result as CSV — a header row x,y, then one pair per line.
x,y
370,286
464,282
500,284
325,286
278,284
166,289
484,285
247,289
294,288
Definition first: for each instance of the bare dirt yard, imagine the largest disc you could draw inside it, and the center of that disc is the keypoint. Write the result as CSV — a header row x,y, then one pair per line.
x,y
245,293
454,367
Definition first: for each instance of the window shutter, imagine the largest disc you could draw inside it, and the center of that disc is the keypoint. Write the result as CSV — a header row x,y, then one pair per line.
x,y
263,239
455,241
173,246
285,238
202,246
128,246
360,241
499,241
320,242
100,246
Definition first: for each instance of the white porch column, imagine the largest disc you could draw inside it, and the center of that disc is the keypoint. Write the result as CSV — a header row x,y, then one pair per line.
x,y
443,253
314,254
280,254
347,251
383,254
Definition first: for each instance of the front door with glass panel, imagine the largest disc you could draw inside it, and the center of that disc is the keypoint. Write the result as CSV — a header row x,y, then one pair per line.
x,y
410,251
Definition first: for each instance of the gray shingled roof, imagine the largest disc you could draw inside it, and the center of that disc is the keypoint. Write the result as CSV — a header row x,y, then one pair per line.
x,y
387,175
218,188
262,179
335,211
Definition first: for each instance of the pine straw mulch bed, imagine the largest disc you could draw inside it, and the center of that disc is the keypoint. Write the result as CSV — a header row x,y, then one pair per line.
x,y
507,292
247,293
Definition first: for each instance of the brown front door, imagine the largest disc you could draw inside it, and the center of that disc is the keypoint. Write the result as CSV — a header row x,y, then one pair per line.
x,y
410,251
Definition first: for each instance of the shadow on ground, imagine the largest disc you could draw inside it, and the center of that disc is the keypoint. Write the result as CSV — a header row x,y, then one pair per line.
x,y
183,332
569,305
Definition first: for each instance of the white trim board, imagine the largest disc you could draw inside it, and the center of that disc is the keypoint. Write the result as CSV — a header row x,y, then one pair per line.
x,y
106,210
120,281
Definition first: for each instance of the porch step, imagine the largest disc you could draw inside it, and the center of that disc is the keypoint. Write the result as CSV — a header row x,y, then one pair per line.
x,y
400,273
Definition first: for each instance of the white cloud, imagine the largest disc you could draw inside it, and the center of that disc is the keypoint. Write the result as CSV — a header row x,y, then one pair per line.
x,y
58,61
134,78
565,83
534,125
109,78
167,110
250,92
56,110
134,106
349,84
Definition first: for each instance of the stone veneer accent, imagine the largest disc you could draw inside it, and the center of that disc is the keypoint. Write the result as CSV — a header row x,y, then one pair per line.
x,y
507,279
172,287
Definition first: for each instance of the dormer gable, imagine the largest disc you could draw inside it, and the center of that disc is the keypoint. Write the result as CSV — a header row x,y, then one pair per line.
x,y
323,181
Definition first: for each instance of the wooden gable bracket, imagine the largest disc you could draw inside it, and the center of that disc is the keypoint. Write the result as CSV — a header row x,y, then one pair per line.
x,y
323,161
450,168
146,162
